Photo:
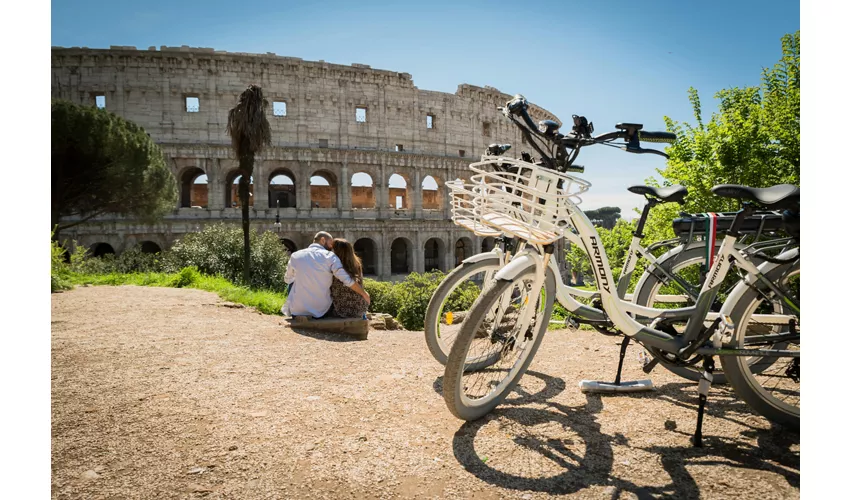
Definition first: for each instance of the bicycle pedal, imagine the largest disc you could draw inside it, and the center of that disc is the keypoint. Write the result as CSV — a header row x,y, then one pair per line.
x,y
572,324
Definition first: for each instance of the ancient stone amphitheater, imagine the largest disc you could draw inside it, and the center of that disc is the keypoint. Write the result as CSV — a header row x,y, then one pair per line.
x,y
359,152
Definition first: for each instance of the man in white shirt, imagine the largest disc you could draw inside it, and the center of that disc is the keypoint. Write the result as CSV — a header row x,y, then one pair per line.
x,y
313,270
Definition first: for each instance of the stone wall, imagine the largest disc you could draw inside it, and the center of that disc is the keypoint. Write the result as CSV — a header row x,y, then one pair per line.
x,y
320,135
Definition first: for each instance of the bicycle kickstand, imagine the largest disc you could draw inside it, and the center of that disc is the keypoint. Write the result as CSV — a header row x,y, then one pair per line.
x,y
618,385
704,384
623,348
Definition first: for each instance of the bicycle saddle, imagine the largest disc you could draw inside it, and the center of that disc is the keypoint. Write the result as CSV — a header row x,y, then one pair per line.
x,y
774,197
665,194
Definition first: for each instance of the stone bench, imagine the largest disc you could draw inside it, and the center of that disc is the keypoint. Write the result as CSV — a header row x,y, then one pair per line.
x,y
358,328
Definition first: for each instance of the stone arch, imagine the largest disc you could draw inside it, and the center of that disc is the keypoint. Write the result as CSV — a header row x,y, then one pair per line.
x,y
323,189
401,256
150,247
231,190
463,250
398,195
432,193
362,191
290,245
435,251
282,187
488,244
194,188
367,250
101,249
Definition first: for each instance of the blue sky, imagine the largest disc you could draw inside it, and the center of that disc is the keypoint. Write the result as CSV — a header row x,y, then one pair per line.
x,y
612,62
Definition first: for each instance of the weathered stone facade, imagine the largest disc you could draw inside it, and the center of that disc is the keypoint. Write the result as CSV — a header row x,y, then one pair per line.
x,y
181,97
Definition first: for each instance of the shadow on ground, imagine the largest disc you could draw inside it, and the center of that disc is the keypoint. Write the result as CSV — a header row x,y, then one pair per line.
x,y
594,466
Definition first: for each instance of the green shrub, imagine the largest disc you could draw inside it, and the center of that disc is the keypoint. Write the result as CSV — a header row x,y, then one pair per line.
x,y
218,251
382,294
59,270
463,297
413,295
187,276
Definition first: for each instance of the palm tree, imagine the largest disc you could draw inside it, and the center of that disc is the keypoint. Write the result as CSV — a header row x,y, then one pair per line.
x,y
249,132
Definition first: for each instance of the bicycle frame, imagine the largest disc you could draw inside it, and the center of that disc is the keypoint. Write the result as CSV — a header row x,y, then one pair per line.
x,y
622,313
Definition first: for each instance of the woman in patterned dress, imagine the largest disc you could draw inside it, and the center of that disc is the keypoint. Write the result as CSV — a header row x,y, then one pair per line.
x,y
347,303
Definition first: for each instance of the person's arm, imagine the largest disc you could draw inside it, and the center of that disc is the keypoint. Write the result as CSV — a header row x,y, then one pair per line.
x,y
341,274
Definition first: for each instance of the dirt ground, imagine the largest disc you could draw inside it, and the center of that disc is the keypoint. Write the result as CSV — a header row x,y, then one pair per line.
x,y
170,393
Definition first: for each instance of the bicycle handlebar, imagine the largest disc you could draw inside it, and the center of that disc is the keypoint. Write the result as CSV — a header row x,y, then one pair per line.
x,y
580,136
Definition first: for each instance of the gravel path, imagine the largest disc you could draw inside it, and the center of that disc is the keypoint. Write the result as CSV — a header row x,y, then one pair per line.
x,y
170,393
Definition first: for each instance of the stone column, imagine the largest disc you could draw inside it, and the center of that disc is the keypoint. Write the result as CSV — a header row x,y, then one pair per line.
x,y
383,193
448,255
385,260
215,184
344,192
418,264
417,193
302,190
261,187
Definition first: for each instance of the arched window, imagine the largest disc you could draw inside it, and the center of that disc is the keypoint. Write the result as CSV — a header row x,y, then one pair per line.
x,y
398,192
282,189
231,195
362,191
432,196
323,190
193,188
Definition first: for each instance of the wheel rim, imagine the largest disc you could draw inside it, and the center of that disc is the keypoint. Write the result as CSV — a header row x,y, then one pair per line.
x,y
446,334
504,343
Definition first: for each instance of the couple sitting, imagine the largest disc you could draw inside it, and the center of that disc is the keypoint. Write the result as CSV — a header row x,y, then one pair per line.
x,y
326,281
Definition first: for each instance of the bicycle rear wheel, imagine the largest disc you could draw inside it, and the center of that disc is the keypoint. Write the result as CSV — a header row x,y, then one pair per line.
x,y
450,304
770,385
469,393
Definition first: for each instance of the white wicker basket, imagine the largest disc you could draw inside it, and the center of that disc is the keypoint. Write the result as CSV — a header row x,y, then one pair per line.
x,y
531,202
464,199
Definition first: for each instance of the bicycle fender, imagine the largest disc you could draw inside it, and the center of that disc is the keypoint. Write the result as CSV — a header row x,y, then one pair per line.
x,y
480,257
744,285
517,266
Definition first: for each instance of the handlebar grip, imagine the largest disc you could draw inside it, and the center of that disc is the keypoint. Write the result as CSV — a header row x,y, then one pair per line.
x,y
667,137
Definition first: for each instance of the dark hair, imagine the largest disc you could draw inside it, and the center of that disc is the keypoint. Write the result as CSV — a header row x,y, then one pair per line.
x,y
350,261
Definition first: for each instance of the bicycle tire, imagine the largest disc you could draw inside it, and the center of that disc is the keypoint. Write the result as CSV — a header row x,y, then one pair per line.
x,y
453,381
439,345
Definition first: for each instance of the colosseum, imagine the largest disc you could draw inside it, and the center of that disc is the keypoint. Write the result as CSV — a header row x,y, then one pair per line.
x,y
359,152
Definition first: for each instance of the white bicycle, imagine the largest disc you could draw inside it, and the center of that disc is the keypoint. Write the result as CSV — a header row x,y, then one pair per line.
x,y
756,333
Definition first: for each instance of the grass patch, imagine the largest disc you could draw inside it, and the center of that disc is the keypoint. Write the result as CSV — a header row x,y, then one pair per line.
x,y
265,301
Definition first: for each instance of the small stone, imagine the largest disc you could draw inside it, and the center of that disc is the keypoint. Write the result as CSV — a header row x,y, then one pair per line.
x,y
233,448
610,490
197,470
527,496
197,488
670,425
89,475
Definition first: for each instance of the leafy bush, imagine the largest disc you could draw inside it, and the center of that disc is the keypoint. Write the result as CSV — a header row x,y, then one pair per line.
x,y
218,251
187,276
413,295
59,270
463,297
382,294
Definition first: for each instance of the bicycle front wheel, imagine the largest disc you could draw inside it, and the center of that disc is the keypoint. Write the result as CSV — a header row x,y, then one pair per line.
x,y
469,393
450,304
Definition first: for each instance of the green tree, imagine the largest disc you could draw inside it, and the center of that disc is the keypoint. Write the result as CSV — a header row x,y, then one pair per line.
x,y
249,133
753,139
607,215
101,163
